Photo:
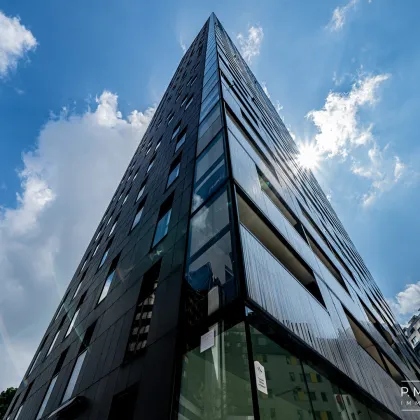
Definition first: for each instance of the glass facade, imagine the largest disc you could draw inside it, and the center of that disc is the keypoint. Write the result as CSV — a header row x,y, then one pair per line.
x,y
216,383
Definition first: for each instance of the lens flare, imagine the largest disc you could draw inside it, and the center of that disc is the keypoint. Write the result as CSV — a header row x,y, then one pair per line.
x,y
308,156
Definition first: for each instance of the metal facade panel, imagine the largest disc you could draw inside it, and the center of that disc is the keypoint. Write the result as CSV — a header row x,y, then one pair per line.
x,y
327,331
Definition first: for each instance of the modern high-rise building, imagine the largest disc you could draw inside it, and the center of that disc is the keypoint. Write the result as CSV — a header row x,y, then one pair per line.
x,y
412,332
220,283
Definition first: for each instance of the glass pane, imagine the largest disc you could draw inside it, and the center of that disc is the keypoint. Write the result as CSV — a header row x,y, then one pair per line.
x,y
53,342
74,376
214,268
180,142
209,127
162,227
114,226
189,102
287,396
78,288
208,103
140,192
18,412
355,409
210,220
106,287
137,218
103,259
173,175
326,398
72,323
209,85
210,172
176,131
47,397
215,383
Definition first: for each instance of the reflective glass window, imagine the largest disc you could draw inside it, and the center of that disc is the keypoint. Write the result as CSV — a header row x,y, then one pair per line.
x,y
77,289
189,102
216,383
214,267
150,165
53,342
162,227
176,130
208,128
46,397
208,222
74,376
285,398
326,398
210,171
137,217
112,228
173,174
104,257
141,191
210,84
209,101
18,412
126,197
73,321
180,142
106,286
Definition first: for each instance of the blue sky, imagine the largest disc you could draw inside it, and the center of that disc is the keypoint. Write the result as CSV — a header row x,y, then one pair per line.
x,y
79,82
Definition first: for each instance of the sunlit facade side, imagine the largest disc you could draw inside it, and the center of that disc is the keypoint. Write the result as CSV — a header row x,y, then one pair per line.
x,y
220,283
263,232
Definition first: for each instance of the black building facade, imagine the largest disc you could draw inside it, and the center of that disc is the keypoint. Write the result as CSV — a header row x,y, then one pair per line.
x,y
220,283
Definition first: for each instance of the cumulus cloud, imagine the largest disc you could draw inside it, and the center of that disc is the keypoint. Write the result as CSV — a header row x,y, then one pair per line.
x,y
406,302
339,128
250,44
339,16
67,182
278,106
182,45
383,171
264,87
342,134
15,42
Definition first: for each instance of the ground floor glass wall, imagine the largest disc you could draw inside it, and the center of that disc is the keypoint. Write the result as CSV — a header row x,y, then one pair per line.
x,y
216,383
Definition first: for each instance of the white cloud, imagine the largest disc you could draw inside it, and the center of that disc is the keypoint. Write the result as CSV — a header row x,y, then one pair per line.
x,y
383,171
15,42
182,45
278,106
406,302
337,122
342,134
250,45
67,182
264,87
339,15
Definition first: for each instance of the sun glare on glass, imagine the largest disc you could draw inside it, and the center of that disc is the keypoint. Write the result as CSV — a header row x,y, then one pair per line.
x,y
308,156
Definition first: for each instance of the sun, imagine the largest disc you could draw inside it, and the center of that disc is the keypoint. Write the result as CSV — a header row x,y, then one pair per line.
x,y
308,156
